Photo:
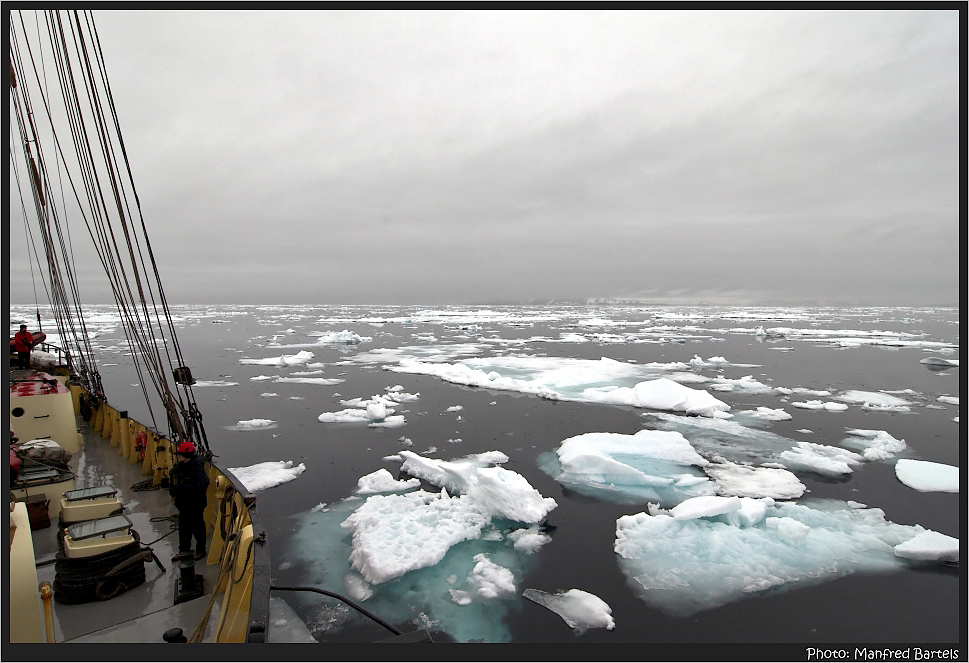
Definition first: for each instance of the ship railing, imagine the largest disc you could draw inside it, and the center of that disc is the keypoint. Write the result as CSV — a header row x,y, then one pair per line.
x,y
238,544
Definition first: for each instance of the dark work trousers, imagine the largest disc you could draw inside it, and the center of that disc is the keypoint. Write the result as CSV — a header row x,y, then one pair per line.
x,y
23,358
191,522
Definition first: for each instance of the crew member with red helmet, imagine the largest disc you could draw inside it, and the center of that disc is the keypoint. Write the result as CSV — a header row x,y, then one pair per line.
x,y
23,341
187,484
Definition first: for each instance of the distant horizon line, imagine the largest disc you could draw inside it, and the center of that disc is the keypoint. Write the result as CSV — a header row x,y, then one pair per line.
x,y
538,302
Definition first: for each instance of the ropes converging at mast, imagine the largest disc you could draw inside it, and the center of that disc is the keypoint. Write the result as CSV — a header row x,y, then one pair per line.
x,y
101,193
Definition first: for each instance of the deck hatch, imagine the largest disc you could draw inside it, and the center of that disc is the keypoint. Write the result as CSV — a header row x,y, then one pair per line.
x,y
27,476
101,527
90,493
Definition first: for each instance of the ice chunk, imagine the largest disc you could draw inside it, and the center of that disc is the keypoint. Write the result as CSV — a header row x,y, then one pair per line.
x,y
747,481
495,490
767,414
830,406
705,506
378,411
382,481
684,566
529,540
301,357
659,394
648,465
490,580
820,458
394,534
266,475
744,385
927,477
580,610
875,444
930,546
874,400
356,587
253,424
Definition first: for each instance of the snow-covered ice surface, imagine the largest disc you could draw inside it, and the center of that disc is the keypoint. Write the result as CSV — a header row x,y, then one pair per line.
x,y
476,453
927,476
267,475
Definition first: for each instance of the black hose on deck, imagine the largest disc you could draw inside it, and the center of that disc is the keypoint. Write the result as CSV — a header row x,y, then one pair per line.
x,y
350,603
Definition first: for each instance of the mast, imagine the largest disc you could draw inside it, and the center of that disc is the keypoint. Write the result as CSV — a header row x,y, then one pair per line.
x,y
74,169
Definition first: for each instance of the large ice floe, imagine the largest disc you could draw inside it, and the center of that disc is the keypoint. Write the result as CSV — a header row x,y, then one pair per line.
x,y
658,466
731,441
603,381
458,553
649,465
709,551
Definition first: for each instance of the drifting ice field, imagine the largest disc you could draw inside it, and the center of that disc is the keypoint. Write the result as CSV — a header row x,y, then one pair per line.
x,y
593,473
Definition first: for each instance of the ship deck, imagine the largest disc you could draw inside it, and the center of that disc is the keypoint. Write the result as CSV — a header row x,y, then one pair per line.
x,y
147,611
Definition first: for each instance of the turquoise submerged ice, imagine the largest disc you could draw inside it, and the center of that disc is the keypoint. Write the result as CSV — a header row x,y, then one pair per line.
x,y
692,559
456,555
466,594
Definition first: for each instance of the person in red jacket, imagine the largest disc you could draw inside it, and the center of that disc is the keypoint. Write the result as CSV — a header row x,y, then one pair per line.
x,y
23,341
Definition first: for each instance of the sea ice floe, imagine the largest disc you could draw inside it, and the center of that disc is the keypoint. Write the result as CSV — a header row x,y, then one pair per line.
x,y
490,580
497,491
685,565
378,411
394,534
820,458
345,337
874,444
266,475
747,481
925,476
646,466
765,414
302,380
282,361
580,610
529,540
830,406
930,546
938,361
729,440
659,394
873,400
253,424
214,383
581,380
951,400
744,385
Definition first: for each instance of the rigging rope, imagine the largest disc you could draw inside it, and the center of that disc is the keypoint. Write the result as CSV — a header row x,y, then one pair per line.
x,y
103,186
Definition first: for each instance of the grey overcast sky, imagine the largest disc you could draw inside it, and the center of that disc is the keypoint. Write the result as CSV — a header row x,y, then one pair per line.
x,y
447,157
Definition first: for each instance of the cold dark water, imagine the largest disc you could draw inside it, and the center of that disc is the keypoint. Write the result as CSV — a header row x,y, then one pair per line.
x,y
916,603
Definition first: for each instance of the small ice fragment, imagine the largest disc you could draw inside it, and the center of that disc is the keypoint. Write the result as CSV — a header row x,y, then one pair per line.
x,y
580,610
